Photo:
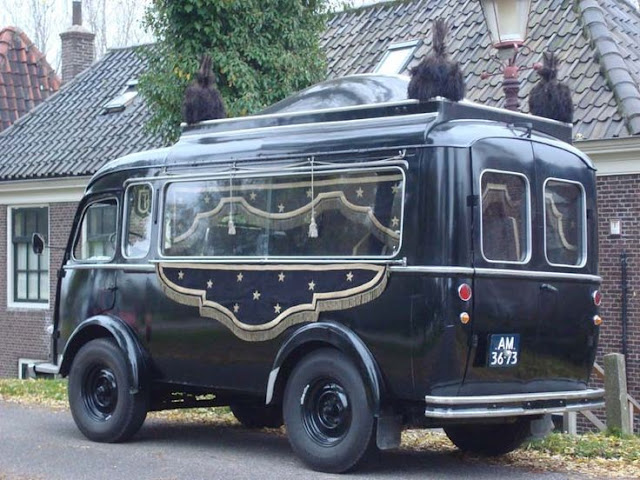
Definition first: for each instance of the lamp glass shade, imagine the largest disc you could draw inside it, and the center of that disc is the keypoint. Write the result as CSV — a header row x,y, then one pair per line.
x,y
507,21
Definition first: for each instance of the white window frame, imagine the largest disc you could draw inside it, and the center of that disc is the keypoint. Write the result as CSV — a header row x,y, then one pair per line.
x,y
528,218
583,233
410,47
11,303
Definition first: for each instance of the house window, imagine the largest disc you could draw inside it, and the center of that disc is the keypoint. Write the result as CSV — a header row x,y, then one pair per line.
x,y
30,271
396,58
97,238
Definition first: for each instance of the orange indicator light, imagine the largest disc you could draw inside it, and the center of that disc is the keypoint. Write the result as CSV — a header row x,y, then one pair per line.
x,y
597,320
464,318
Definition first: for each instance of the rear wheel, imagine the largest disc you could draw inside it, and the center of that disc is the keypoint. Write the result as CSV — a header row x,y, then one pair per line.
x,y
329,421
99,394
257,416
489,439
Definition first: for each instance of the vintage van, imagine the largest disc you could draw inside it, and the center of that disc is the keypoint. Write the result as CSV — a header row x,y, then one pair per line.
x,y
350,262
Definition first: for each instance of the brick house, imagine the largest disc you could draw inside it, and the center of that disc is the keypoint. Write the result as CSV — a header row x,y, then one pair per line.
x,y
26,78
62,143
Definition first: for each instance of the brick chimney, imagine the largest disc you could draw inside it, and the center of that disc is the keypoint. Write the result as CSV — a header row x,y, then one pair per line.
x,y
78,51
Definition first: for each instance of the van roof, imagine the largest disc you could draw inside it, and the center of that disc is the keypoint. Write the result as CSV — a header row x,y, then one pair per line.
x,y
347,113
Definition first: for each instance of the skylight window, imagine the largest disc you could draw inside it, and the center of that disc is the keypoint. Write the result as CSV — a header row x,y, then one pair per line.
x,y
123,100
396,58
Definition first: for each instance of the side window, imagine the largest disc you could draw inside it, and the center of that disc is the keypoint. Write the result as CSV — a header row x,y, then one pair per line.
x,y
505,217
565,223
332,214
138,227
96,239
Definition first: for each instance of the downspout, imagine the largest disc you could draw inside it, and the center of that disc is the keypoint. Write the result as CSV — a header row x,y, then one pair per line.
x,y
624,287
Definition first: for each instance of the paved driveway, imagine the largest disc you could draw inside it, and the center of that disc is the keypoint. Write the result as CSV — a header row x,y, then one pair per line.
x,y
38,443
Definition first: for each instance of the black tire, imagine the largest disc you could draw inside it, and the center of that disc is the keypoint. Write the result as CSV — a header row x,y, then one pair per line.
x,y
329,421
489,439
99,394
257,416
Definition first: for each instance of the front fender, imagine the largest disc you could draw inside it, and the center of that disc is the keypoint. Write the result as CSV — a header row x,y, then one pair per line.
x,y
102,326
316,335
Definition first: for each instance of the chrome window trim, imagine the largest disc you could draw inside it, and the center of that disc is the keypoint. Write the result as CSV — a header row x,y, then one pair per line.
x,y
583,236
536,274
329,169
527,257
434,270
142,267
125,219
79,231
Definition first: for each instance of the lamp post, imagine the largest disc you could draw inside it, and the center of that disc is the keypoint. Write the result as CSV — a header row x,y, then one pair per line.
x,y
507,23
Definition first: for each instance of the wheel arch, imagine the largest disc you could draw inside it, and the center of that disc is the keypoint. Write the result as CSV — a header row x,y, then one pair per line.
x,y
106,326
319,335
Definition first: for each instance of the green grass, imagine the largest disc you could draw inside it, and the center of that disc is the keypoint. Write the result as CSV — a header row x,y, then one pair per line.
x,y
590,445
40,391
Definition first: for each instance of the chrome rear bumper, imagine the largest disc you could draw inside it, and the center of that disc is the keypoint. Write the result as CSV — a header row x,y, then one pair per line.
x,y
484,406
48,368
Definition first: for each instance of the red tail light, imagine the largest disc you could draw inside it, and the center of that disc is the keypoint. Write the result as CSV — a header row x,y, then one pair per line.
x,y
597,298
464,292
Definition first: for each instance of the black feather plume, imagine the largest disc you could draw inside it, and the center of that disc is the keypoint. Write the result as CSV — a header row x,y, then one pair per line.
x,y
202,101
436,75
550,98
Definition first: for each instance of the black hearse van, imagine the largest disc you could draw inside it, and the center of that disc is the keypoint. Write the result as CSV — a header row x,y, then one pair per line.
x,y
349,260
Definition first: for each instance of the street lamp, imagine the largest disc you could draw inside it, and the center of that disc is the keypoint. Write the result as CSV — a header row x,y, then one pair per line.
x,y
507,23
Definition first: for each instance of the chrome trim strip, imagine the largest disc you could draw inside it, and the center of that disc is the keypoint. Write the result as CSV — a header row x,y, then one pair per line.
x,y
434,270
516,397
277,260
507,412
497,272
137,267
271,384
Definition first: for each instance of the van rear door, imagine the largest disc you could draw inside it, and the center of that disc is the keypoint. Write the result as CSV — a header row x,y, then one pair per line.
x,y
532,308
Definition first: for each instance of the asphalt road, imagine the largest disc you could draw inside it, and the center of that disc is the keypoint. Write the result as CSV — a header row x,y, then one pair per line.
x,y
39,443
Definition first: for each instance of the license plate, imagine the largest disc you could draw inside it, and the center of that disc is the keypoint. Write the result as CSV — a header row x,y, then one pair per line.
x,y
503,350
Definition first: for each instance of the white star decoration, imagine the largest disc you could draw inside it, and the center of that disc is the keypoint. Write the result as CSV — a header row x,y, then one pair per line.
x,y
209,284
281,277
277,308
236,308
256,295
395,188
240,277
359,192
312,285
180,275
252,196
395,221
349,277
207,199
281,208
309,193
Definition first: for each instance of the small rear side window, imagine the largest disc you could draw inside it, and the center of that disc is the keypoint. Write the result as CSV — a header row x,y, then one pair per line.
x,y
565,232
505,217
138,227
96,239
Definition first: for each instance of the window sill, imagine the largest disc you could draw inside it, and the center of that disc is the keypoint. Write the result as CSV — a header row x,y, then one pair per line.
x,y
28,306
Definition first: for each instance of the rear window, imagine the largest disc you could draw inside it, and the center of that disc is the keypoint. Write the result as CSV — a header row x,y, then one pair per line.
x,y
565,232
505,217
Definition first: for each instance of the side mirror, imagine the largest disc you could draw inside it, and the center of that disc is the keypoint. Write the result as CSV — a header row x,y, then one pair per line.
x,y
37,243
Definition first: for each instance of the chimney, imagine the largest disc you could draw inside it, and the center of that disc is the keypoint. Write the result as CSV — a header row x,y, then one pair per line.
x,y
78,50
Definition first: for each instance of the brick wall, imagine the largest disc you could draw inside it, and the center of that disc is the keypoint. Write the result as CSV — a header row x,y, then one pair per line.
x,y
619,198
22,331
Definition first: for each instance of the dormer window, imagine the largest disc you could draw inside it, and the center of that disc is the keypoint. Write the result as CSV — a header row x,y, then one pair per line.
x,y
123,100
396,58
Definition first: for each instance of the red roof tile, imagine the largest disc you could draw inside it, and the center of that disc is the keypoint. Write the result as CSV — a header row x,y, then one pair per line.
x,y
26,78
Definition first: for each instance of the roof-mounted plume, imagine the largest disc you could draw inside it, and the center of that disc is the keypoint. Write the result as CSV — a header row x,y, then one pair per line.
x,y
550,98
202,100
436,75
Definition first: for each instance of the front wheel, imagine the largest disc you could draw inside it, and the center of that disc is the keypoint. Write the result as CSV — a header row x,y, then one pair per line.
x,y
489,439
326,410
100,397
